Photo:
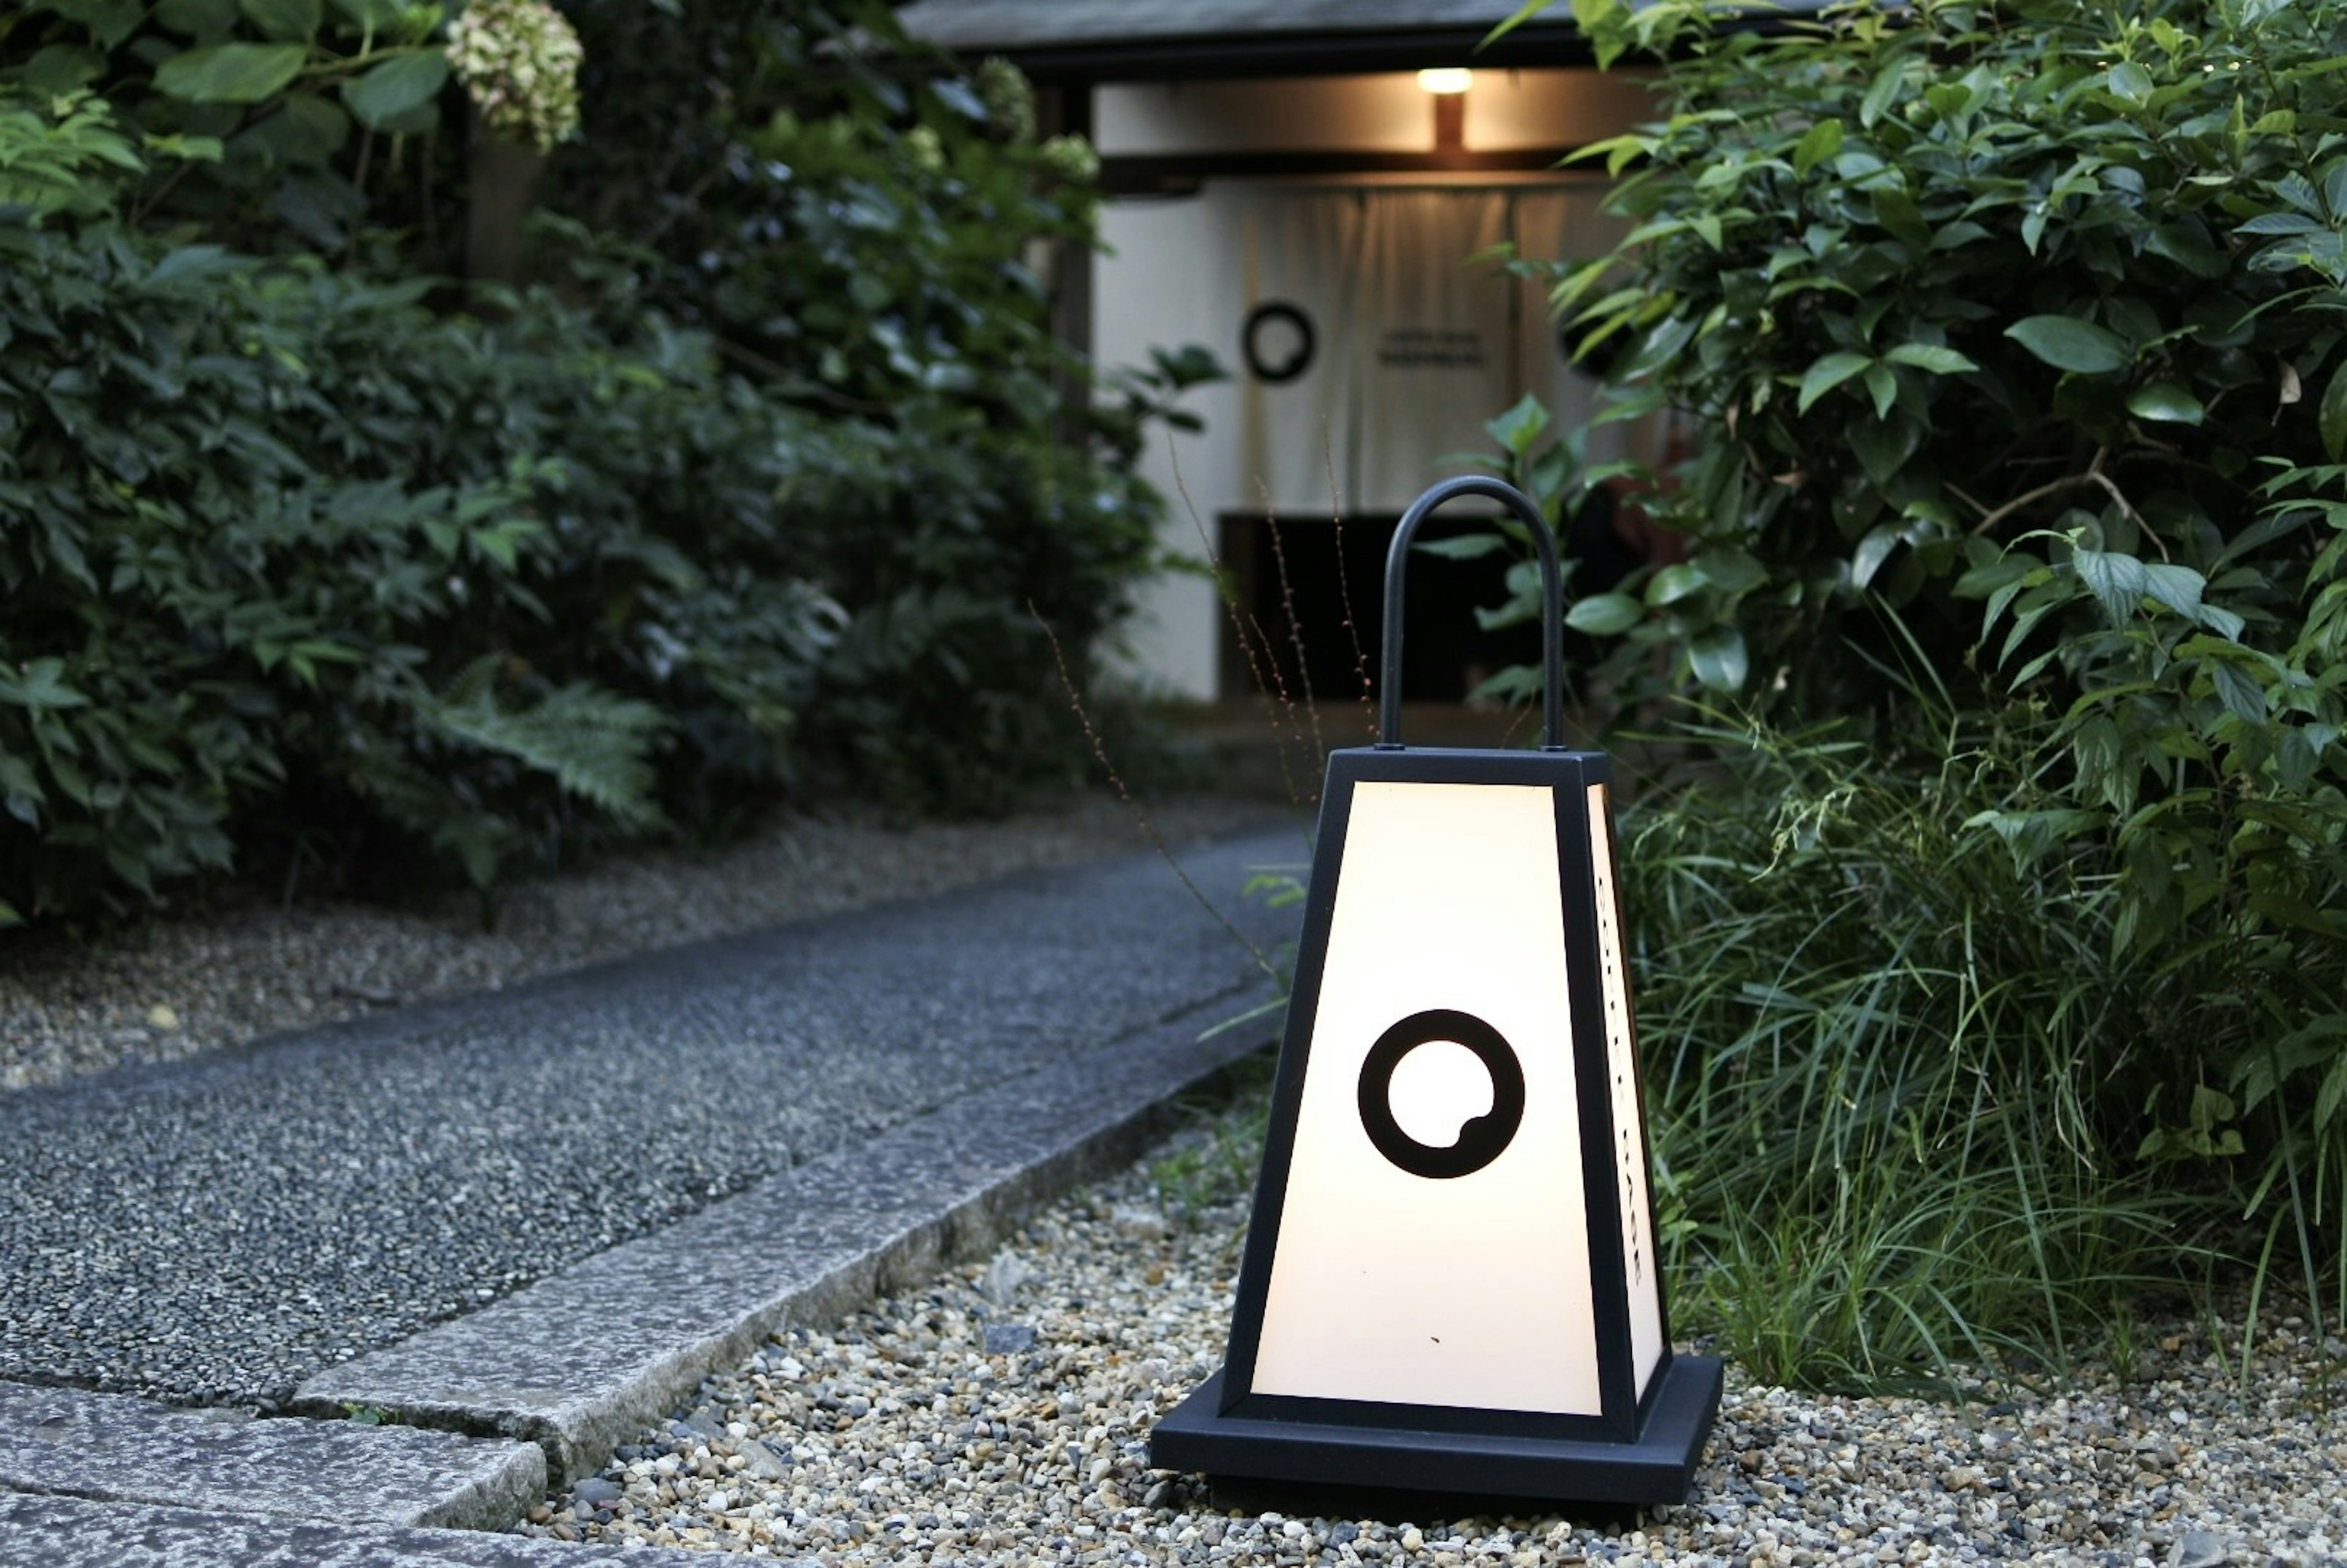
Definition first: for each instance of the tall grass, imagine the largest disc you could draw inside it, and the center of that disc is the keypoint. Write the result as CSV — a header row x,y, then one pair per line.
x,y
1896,1073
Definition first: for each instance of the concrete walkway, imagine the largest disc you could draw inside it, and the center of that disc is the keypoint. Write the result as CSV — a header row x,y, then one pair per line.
x,y
548,1213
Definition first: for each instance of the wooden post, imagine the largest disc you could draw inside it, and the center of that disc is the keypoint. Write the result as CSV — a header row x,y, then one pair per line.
x,y
504,174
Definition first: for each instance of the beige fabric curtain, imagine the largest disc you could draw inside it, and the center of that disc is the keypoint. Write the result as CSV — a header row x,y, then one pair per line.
x,y
1411,348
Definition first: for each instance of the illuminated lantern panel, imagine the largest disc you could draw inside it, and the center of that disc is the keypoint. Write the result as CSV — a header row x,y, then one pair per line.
x,y
1450,892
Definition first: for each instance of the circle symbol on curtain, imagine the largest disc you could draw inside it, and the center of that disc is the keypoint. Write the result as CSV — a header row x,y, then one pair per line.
x,y
1299,342
1484,1138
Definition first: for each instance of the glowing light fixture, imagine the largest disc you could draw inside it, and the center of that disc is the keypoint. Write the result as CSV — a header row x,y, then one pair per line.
x,y
1450,1284
1444,81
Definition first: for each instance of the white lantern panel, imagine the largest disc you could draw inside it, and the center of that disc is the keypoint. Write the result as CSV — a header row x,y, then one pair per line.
x,y
1469,1290
1639,1263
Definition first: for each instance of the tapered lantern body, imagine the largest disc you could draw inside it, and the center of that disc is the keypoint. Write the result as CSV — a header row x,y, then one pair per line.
x,y
1451,1281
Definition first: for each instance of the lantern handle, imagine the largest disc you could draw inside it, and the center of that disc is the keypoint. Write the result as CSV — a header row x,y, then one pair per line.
x,y
1552,605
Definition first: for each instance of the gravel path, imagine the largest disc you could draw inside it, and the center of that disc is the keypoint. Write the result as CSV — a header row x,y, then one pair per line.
x,y
220,1230
1001,1416
186,985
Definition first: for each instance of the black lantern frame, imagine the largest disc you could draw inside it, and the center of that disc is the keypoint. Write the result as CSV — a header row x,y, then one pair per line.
x,y
1641,1448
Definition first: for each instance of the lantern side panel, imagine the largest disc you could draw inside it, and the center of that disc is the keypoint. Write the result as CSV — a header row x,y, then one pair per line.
x,y
1472,1290
1639,1263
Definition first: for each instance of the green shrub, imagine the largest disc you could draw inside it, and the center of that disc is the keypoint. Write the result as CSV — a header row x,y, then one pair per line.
x,y
283,551
1897,1074
858,230
281,117
2013,340
301,568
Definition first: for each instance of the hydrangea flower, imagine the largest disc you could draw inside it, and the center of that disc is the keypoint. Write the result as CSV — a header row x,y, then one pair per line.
x,y
1010,99
519,60
1071,158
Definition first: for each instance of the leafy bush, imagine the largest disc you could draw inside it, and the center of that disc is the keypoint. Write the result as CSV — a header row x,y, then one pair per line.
x,y
858,229
1895,1071
482,583
2011,336
297,563
271,108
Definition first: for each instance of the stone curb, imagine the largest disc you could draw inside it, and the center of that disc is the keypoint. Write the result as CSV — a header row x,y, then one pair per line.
x,y
70,1533
108,1447
579,1362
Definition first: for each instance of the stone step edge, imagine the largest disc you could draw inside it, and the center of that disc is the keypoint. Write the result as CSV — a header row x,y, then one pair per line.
x,y
118,1448
581,1362
46,1530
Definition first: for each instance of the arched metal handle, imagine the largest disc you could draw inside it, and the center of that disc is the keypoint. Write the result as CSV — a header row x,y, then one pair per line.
x,y
1552,605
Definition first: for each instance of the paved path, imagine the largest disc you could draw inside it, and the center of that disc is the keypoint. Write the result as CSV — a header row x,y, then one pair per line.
x,y
221,1232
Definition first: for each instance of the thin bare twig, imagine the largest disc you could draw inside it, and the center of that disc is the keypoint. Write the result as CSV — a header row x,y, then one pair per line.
x,y
1261,668
1343,587
138,214
2092,476
1156,839
1276,702
1294,630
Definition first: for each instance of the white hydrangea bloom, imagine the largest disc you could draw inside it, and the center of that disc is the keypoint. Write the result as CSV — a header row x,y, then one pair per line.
x,y
519,60
1072,157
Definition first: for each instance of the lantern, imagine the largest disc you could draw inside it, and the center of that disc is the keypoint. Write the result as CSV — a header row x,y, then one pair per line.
x,y
1450,1284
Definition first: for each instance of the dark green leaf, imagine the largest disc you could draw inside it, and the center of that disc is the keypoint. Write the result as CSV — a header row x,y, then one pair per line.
x,y
206,21
2280,223
2115,579
371,15
957,96
306,129
2242,696
398,85
1883,447
1604,614
2330,416
108,21
1467,547
2129,83
1896,211
1927,356
231,73
1674,583
2067,342
1881,93
1523,13
193,261
2166,401
1826,373
1519,429
2187,243
1731,568
284,19
61,67
1718,657
1821,141
1884,387
2176,587
1873,551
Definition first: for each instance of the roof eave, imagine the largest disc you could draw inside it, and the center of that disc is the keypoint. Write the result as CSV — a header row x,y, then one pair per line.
x,y
1228,56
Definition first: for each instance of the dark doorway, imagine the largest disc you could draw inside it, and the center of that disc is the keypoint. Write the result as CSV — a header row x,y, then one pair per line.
x,y
1330,567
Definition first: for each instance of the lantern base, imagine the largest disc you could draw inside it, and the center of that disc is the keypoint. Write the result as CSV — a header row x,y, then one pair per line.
x,y
1424,1472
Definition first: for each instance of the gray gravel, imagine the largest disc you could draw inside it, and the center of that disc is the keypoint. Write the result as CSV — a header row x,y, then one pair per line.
x,y
215,1231
1001,1416
183,984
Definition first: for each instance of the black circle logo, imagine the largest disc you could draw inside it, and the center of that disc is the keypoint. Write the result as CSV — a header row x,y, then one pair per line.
x,y
1300,353
1484,1137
